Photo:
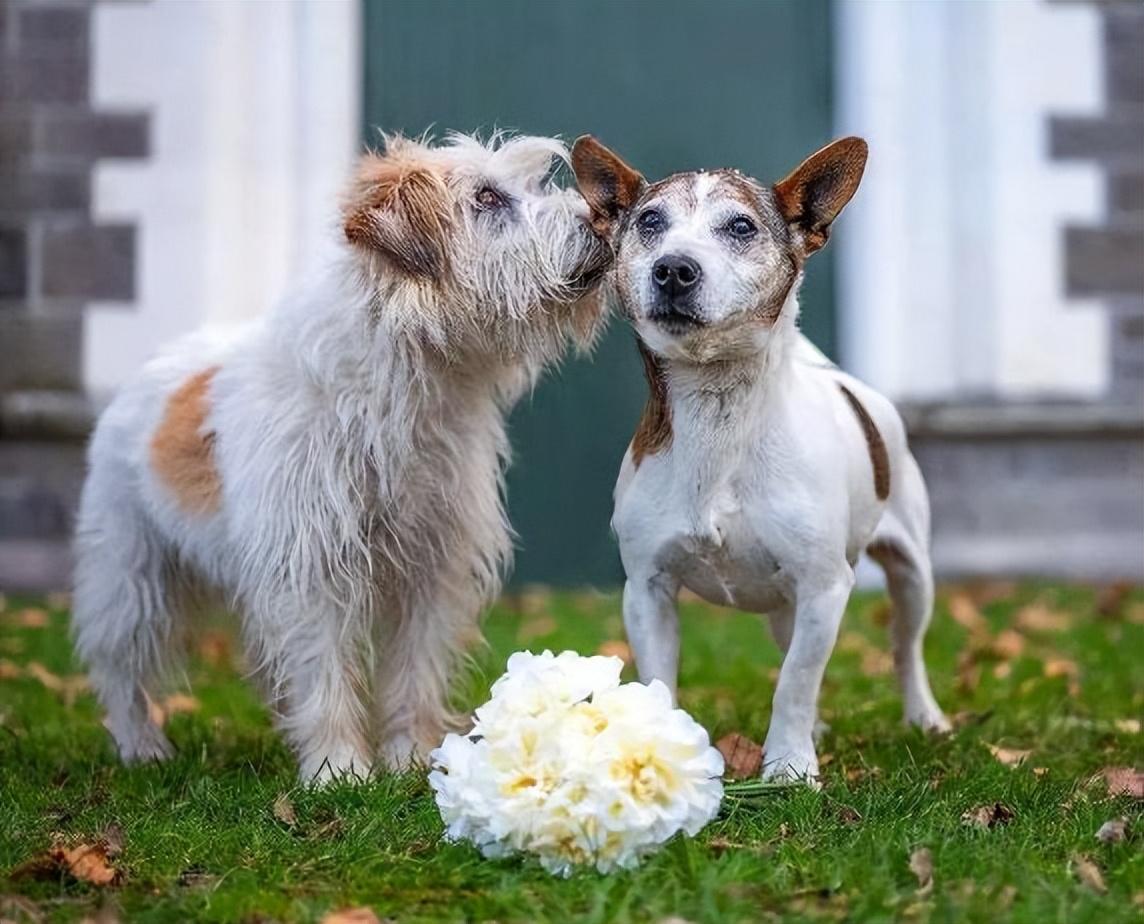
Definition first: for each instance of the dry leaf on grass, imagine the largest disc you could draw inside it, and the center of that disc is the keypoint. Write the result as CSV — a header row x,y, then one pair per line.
x,y
1010,757
536,627
1111,599
921,865
1061,667
172,705
1128,726
284,810
966,614
85,862
742,757
1008,644
1124,781
68,687
352,916
31,617
9,670
988,816
1037,617
1089,873
616,648
1113,831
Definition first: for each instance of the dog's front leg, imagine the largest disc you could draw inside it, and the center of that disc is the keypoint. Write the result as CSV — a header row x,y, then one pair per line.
x,y
652,624
321,685
789,749
421,651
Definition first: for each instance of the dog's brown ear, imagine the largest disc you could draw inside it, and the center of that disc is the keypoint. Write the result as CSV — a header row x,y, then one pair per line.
x,y
813,195
401,210
609,186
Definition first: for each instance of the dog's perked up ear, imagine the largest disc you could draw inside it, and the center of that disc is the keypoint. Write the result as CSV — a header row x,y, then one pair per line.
x,y
819,188
401,209
608,185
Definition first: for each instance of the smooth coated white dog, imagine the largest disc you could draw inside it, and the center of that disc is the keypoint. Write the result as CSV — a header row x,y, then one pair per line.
x,y
335,470
759,471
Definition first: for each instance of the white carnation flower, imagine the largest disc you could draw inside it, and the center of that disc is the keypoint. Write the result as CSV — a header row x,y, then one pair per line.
x,y
567,764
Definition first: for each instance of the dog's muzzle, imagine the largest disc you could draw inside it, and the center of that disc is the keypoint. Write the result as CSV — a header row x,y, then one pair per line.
x,y
675,283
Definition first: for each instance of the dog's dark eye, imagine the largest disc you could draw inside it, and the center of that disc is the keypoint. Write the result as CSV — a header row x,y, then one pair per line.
x,y
741,227
490,199
650,221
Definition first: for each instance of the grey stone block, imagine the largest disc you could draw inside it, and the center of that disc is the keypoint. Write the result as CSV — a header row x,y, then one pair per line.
x,y
25,189
1101,261
40,484
58,23
1125,193
1114,138
13,263
15,136
95,135
89,262
1124,53
45,72
35,565
40,351
46,415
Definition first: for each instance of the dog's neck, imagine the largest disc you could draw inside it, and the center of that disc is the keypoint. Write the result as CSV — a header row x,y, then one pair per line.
x,y
718,409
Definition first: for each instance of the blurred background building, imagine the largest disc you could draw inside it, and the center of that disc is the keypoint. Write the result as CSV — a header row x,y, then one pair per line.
x,y
170,163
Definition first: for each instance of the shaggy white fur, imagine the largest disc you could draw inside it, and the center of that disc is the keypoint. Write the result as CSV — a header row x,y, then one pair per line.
x,y
335,469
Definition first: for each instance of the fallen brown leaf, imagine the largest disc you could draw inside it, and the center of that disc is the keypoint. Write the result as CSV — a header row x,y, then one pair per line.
x,y
988,816
1089,873
31,617
1037,617
1008,644
742,757
284,810
536,627
1113,831
1128,726
848,815
966,614
1061,667
10,670
876,662
1040,771
1124,781
47,679
352,916
1111,599
1002,670
616,648
968,673
921,865
85,862
160,712
1010,757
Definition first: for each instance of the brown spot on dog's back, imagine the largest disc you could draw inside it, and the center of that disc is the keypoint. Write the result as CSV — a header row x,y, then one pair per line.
x,y
653,433
182,451
879,458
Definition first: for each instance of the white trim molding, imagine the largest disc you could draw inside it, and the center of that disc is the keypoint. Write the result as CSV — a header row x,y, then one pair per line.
x,y
255,119
951,256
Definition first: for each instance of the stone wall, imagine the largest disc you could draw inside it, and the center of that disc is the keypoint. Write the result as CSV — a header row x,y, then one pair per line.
x,y
55,257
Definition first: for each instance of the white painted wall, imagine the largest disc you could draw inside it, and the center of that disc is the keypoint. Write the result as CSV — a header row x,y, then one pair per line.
x,y
255,118
951,255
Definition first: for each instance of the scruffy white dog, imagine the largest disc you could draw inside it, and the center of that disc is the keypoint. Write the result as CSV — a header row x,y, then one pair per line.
x,y
335,470
759,471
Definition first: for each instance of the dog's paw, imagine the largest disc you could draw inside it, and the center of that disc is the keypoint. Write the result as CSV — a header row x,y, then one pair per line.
x,y
791,767
147,746
932,721
402,753
342,764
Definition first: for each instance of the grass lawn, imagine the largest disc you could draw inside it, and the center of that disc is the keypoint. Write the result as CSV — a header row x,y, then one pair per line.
x,y
1053,670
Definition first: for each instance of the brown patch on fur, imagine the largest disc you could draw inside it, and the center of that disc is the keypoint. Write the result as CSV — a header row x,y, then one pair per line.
x,y
401,208
679,187
819,188
879,458
182,453
653,433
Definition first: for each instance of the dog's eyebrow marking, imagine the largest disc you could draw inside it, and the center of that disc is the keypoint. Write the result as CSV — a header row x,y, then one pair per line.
x,y
876,446
653,433
679,187
182,454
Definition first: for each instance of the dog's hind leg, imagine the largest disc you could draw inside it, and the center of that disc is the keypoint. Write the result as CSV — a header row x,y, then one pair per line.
x,y
901,546
122,619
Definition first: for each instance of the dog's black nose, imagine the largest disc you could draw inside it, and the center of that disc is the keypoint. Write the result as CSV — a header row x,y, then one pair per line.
x,y
676,275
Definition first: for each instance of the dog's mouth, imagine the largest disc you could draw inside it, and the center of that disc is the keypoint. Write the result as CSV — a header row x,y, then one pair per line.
x,y
675,322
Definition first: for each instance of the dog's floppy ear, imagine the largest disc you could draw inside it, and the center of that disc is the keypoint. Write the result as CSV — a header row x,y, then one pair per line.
x,y
608,185
401,209
819,188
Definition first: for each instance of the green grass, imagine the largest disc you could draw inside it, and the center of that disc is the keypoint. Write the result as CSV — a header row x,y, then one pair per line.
x,y
200,841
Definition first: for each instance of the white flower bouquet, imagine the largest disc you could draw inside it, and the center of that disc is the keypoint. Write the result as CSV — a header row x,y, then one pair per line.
x,y
569,765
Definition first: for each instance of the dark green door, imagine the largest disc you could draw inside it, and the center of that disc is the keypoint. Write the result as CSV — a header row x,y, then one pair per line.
x,y
669,84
